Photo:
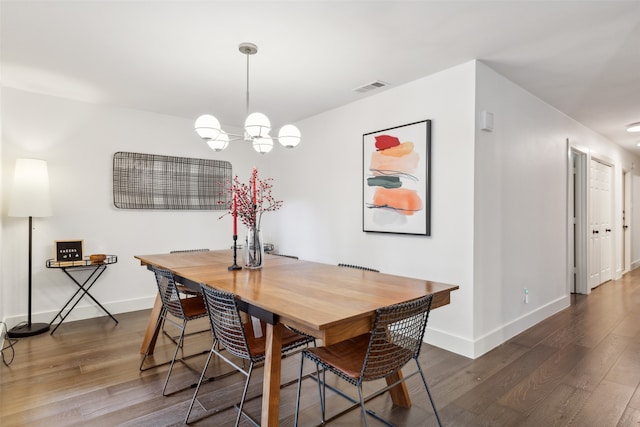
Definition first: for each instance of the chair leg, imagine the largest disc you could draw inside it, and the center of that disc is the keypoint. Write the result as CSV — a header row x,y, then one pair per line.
x,y
433,405
155,332
321,392
195,394
175,354
244,393
295,420
362,408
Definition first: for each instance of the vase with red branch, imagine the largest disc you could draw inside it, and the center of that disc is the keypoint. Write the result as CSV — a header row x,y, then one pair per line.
x,y
248,203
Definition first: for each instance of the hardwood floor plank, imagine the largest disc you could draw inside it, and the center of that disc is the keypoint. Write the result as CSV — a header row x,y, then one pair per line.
x,y
629,326
630,418
579,367
535,388
591,370
497,385
635,399
544,329
605,405
450,379
559,408
626,370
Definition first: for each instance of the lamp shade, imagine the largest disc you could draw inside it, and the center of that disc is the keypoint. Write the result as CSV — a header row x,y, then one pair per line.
x,y
220,143
207,127
289,136
634,127
263,144
257,125
30,193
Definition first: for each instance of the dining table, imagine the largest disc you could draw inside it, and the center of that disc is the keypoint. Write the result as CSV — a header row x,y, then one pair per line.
x,y
329,302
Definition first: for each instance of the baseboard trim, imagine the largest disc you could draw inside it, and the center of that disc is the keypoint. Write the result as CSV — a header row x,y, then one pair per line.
x,y
498,336
454,343
86,311
476,348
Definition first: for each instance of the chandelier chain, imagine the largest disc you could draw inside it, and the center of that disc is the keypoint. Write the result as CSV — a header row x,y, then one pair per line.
x,y
247,101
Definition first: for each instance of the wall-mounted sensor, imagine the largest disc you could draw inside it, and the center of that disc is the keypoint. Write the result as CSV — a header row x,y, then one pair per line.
x,y
486,121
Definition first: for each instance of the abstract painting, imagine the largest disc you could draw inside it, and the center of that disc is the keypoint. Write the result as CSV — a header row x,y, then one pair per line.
x,y
396,184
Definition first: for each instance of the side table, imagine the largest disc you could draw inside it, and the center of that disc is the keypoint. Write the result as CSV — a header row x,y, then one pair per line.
x,y
71,269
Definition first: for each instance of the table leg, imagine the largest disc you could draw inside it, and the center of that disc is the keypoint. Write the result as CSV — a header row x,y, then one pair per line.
x,y
271,384
399,394
151,334
83,290
89,282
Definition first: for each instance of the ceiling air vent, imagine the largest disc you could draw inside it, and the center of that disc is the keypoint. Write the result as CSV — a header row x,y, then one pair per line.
x,y
371,86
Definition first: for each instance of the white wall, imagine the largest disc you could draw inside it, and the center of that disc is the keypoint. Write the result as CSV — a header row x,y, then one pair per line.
x,y
499,200
521,207
78,140
322,186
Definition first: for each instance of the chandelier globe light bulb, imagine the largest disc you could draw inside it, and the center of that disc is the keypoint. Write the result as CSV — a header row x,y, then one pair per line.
x,y
263,144
220,143
207,127
289,136
257,125
634,127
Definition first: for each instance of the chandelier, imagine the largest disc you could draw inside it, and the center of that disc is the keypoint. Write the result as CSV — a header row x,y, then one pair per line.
x,y
256,126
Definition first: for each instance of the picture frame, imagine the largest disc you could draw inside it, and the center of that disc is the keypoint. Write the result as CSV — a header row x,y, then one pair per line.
x,y
396,187
68,252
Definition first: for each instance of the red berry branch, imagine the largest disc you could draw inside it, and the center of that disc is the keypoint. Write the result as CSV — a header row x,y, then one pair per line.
x,y
249,214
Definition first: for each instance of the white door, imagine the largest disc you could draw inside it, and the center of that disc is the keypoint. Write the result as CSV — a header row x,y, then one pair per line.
x,y
600,219
626,214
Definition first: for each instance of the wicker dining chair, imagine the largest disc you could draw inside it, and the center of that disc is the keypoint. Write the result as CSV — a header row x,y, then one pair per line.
x,y
394,340
182,309
186,292
238,339
358,267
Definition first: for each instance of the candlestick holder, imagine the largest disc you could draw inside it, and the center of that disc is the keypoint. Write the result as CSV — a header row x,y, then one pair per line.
x,y
235,265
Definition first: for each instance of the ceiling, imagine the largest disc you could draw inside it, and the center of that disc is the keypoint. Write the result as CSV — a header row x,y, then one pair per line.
x,y
181,58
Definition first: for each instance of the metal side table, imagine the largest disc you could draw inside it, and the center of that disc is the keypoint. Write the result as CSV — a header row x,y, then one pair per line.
x,y
71,269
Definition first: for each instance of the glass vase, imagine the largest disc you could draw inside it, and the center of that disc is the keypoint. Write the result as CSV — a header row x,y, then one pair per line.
x,y
254,249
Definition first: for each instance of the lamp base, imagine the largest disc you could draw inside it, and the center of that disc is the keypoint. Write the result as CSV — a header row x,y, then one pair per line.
x,y
27,330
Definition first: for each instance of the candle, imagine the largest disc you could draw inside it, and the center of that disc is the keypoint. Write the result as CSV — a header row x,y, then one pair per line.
x,y
235,215
254,175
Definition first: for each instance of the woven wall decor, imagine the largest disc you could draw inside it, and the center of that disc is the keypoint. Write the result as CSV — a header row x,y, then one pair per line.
x,y
150,181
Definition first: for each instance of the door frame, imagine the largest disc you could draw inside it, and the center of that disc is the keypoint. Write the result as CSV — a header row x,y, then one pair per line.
x,y
577,219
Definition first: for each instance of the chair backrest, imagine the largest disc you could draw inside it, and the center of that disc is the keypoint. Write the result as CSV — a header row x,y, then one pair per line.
x,y
396,337
286,256
168,292
226,322
189,250
358,267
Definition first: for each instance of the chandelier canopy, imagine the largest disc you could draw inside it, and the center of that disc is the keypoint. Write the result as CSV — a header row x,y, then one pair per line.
x,y
256,126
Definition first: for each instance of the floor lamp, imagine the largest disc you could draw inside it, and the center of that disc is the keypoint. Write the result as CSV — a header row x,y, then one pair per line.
x,y
30,197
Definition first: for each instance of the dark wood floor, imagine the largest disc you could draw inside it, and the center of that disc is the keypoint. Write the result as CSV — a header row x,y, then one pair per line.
x,y
580,367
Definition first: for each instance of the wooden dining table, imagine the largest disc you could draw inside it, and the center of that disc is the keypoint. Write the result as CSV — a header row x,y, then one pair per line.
x,y
328,302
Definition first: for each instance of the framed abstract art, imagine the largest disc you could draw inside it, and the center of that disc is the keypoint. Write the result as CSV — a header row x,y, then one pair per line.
x,y
397,179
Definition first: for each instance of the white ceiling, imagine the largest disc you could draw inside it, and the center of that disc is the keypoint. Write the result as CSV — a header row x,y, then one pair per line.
x,y
181,57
